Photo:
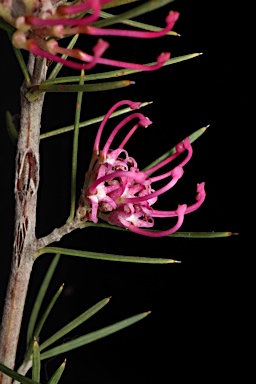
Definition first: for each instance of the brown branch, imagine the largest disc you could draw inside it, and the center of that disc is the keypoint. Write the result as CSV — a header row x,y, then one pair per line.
x,y
25,242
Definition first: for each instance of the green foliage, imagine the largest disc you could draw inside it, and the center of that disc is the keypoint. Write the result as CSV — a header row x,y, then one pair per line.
x,y
16,376
39,299
93,336
57,374
36,362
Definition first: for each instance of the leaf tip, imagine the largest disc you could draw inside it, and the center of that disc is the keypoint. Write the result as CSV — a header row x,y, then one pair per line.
x,y
206,127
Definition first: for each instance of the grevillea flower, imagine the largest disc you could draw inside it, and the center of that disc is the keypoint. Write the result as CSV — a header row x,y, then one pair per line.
x,y
115,190
40,24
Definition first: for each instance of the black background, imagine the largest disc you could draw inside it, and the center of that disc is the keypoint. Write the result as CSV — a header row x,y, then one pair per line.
x,y
200,308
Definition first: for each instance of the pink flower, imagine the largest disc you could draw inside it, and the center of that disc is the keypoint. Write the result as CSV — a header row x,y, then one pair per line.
x,y
40,24
116,191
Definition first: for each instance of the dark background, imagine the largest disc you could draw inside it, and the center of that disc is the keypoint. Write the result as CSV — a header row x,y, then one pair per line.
x,y
200,308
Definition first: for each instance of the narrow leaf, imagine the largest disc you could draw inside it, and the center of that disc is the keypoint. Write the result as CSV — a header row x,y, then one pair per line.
x,y
57,374
118,72
93,336
75,151
16,376
192,235
6,26
137,11
33,93
88,122
194,136
75,323
202,235
41,323
47,311
39,299
36,363
11,129
116,3
21,62
104,256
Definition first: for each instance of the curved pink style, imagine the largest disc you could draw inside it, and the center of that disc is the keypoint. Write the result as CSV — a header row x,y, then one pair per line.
x,y
116,191
66,20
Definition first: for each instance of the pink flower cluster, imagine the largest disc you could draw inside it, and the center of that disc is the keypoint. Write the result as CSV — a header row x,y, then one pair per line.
x,y
116,191
38,33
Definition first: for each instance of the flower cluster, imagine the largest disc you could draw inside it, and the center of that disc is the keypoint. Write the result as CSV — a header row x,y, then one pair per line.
x,y
40,24
116,191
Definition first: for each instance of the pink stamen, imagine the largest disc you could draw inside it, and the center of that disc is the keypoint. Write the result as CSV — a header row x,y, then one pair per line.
x,y
200,199
90,30
65,10
180,213
161,60
98,50
129,135
180,148
131,104
188,147
122,195
144,122
33,48
176,174
138,177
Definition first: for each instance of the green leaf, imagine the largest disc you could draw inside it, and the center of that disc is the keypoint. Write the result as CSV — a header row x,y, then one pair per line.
x,y
88,122
116,3
11,129
104,256
194,136
118,72
93,336
21,62
75,151
6,26
16,376
75,323
33,93
137,11
192,235
39,299
57,374
36,362
202,235
41,323
10,30
47,311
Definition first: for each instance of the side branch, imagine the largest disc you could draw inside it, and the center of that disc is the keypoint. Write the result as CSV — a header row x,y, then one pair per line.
x,y
58,233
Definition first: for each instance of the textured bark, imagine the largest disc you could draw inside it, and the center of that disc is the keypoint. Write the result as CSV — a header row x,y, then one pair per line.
x,y
25,242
